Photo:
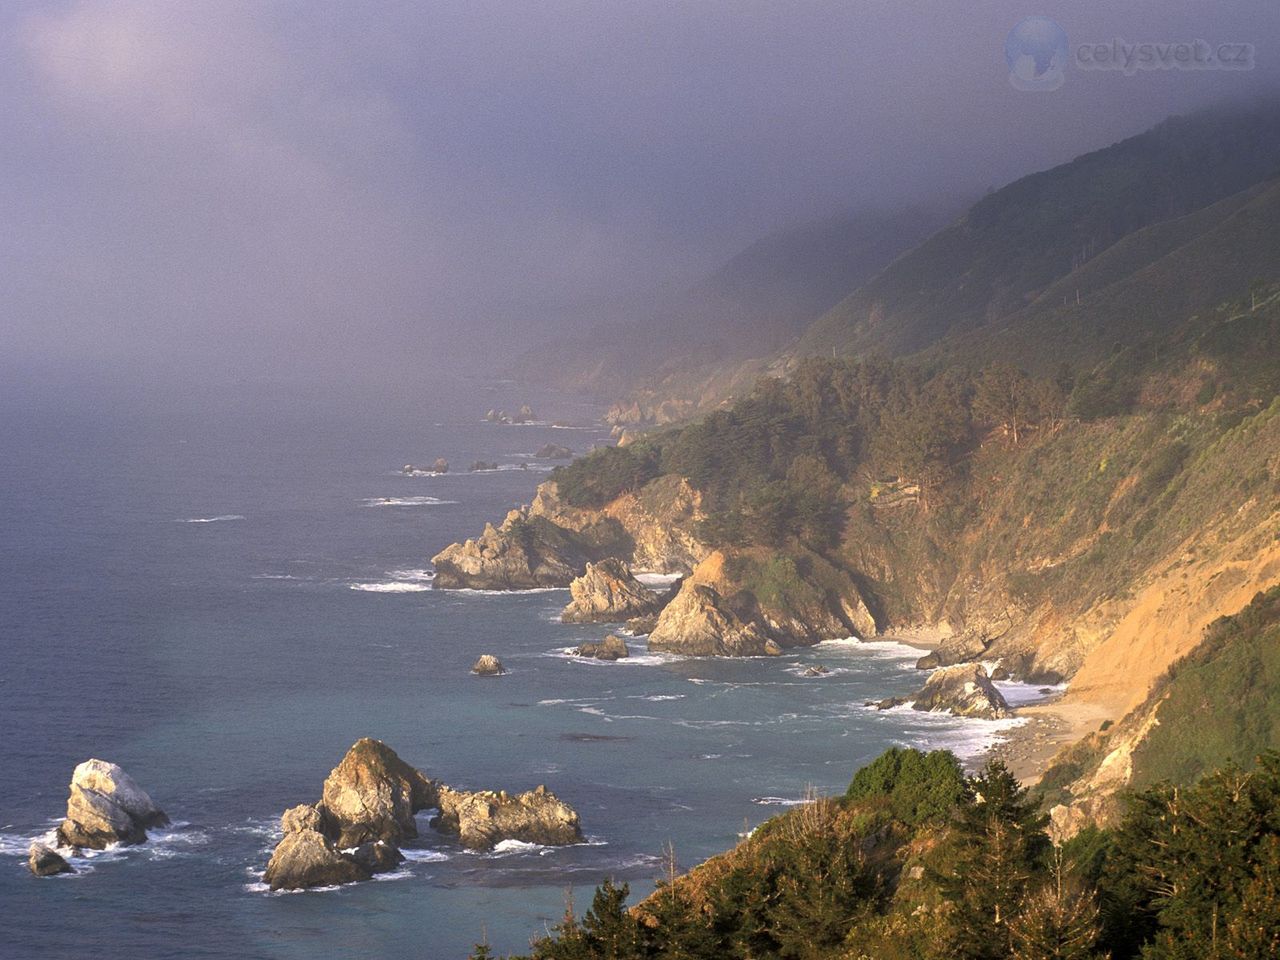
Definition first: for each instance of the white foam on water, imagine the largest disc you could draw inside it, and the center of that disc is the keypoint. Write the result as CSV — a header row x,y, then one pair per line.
x,y
405,502
506,593
657,697
390,586
401,874
415,575
1019,694
886,649
507,848
423,856
656,579
778,802
217,519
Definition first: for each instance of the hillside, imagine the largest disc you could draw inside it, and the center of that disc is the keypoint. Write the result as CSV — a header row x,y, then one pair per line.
x,y
1012,246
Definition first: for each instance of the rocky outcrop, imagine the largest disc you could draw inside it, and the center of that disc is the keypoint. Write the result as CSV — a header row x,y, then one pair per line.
x,y
553,451
482,819
964,690
44,861
106,806
481,465
372,795
488,666
367,809
307,858
610,648
525,553
608,593
699,622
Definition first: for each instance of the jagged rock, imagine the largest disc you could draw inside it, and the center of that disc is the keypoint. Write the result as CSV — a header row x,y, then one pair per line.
x,y
377,857
642,626
44,861
524,553
372,795
524,414
963,690
492,416
106,806
610,648
307,858
488,666
484,818
962,648
302,817
608,593
483,465
554,451
440,466
699,622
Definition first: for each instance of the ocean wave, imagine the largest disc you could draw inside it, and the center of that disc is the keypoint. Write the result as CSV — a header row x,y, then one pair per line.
x,y
217,519
887,649
390,586
1018,693
778,801
415,575
469,591
423,856
405,502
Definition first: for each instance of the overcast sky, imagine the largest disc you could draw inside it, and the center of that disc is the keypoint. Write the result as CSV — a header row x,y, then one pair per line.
x,y
283,189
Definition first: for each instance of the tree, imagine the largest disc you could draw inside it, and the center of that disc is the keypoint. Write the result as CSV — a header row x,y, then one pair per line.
x,y
916,786
1006,396
1059,921
998,844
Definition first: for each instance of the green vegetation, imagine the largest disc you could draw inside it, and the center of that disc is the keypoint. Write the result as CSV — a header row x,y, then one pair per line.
x,y
1218,703
1189,873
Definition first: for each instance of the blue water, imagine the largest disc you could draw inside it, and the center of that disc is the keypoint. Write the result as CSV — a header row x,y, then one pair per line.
x,y
228,664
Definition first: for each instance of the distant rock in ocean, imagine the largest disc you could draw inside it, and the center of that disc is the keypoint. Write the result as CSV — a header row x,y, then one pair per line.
x,y
369,801
554,451
44,861
106,806
479,465
964,690
484,818
608,593
610,648
488,666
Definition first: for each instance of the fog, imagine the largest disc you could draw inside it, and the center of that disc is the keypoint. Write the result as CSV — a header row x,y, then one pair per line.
x,y
222,193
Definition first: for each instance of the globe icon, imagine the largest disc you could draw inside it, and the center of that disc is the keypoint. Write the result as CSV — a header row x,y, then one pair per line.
x,y
1036,51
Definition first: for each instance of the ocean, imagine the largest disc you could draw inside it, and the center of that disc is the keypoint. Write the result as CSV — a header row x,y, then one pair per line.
x,y
222,598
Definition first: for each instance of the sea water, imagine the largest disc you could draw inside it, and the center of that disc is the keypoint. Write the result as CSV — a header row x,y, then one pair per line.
x,y
223,600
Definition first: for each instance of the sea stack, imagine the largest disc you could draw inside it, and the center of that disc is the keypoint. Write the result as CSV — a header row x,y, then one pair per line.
x,y
106,806
488,666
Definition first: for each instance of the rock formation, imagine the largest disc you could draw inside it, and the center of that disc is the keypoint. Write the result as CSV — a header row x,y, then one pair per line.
x,y
479,465
610,648
701,623
524,553
554,451
488,666
307,858
106,806
372,795
440,466
44,861
964,690
368,804
481,819
608,593
962,648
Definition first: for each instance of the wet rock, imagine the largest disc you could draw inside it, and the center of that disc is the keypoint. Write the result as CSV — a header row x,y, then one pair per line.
x,y
964,690
481,819
488,666
44,861
610,648
817,670
554,451
962,648
106,806
307,858
608,593
377,857
372,795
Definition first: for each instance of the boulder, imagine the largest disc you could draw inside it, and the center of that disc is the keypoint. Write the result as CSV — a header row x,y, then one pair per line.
x,y
964,690
44,861
440,466
481,819
488,666
106,806
302,817
524,414
377,857
608,593
372,795
307,858
610,648
483,465
817,670
554,451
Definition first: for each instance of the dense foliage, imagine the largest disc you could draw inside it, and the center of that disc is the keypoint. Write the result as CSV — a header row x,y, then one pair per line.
x,y
1189,873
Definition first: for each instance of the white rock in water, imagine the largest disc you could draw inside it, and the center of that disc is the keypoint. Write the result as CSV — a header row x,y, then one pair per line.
x,y
107,806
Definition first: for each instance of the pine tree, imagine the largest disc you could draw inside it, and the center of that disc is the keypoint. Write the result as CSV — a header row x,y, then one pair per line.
x,y
1059,921
608,929
998,843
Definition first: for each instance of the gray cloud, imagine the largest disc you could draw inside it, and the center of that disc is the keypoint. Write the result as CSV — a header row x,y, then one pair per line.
x,y
295,189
